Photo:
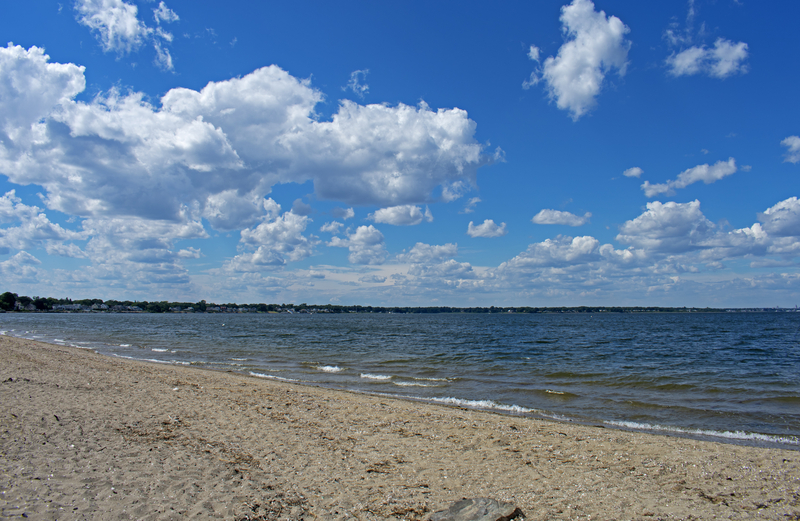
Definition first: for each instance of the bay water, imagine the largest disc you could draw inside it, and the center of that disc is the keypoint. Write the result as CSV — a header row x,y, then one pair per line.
x,y
728,376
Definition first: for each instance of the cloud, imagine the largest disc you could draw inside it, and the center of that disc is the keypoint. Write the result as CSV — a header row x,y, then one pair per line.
x,y
35,229
219,151
668,227
674,35
301,208
32,89
792,143
164,14
117,27
332,227
276,241
558,252
163,58
405,215
21,268
130,252
366,245
115,24
372,279
470,206
633,172
445,272
343,213
705,173
595,46
558,217
355,84
535,77
725,59
426,253
782,219
377,154
674,250
487,229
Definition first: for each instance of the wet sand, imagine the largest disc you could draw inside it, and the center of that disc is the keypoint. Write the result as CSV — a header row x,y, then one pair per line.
x,y
84,436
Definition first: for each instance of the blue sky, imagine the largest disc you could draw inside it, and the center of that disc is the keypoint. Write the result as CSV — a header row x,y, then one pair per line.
x,y
414,153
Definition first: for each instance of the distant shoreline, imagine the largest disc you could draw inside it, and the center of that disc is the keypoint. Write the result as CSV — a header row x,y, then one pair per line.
x,y
13,302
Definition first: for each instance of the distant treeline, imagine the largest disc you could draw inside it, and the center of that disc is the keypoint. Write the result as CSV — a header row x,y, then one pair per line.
x,y
13,302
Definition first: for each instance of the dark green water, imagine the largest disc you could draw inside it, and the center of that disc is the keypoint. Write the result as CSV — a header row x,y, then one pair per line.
x,y
732,376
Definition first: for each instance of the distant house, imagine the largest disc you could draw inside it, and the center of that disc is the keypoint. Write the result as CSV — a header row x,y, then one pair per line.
x,y
71,307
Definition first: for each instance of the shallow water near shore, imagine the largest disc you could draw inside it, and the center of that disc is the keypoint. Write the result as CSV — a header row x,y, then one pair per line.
x,y
728,376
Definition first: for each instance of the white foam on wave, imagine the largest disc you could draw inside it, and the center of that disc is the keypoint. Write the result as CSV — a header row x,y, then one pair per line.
x,y
240,359
273,377
169,362
483,404
124,345
158,350
731,435
415,384
369,376
329,368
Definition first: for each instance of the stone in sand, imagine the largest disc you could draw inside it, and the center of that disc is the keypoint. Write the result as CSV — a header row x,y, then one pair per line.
x,y
478,509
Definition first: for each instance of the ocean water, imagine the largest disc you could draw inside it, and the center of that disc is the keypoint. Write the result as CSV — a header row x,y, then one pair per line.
x,y
729,376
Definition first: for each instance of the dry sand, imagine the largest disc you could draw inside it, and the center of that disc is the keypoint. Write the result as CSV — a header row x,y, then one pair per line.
x,y
92,437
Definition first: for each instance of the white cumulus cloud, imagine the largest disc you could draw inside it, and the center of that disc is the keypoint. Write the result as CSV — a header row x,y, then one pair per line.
x,y
633,172
782,219
487,229
668,227
792,144
706,173
331,227
21,268
595,46
558,252
218,151
724,59
558,217
404,215
366,245
447,272
426,253
278,240
32,89
34,229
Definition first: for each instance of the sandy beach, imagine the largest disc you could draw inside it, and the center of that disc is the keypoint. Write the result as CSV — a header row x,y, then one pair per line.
x,y
84,436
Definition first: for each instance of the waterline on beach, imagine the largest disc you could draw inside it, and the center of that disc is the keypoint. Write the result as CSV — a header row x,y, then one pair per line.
x,y
674,374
